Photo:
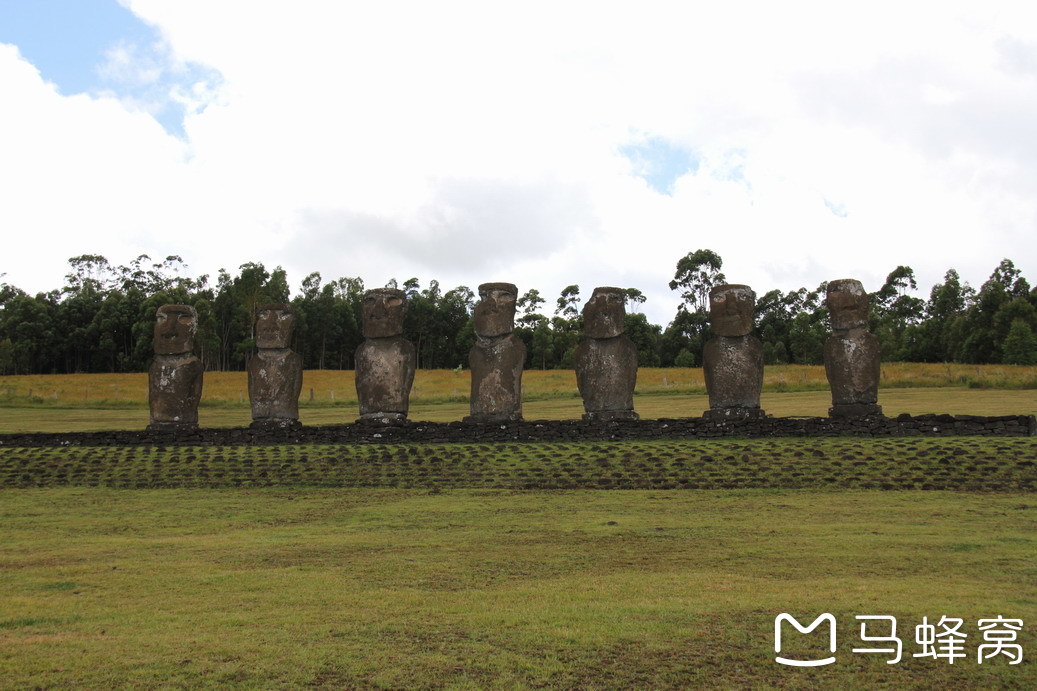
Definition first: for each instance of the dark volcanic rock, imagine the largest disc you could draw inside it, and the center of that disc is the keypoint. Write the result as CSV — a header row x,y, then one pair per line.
x,y
606,360
384,376
497,358
732,362
497,378
733,369
175,376
385,362
606,373
851,353
275,371
408,432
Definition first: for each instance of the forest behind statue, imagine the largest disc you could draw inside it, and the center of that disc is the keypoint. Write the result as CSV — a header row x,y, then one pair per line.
x,y
101,320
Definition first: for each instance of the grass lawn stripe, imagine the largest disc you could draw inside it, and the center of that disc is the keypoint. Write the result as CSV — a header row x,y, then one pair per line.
x,y
952,463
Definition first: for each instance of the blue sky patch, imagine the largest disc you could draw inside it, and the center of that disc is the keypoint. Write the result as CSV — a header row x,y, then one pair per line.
x,y
100,47
837,209
660,162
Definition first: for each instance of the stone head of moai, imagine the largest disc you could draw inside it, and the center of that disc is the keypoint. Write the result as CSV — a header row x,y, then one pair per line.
x,y
175,327
731,310
275,324
382,311
847,304
604,313
495,312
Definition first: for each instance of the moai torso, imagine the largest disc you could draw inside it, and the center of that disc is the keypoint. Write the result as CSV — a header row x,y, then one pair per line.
x,y
274,384
384,376
852,365
496,366
175,388
606,373
275,371
852,356
606,360
385,361
732,361
497,358
733,368
175,375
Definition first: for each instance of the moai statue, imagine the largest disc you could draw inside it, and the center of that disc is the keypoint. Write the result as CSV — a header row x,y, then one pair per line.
x,y
175,376
606,360
733,359
275,371
497,357
385,360
851,353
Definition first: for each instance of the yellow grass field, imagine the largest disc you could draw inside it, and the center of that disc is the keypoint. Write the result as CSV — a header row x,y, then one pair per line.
x,y
331,387
93,402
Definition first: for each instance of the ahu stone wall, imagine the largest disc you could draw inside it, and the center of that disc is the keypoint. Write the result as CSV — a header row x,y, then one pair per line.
x,y
410,432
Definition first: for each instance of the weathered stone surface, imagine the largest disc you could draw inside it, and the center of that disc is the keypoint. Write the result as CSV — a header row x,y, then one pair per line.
x,y
552,431
733,369
855,410
847,304
853,367
175,376
275,326
175,327
174,390
497,358
494,314
606,360
384,376
382,312
722,415
604,313
733,360
275,372
496,366
852,355
385,362
606,373
731,310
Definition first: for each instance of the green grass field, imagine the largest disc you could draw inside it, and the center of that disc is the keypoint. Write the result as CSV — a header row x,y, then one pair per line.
x,y
580,565
370,588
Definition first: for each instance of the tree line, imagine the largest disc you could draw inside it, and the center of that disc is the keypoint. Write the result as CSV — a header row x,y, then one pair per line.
x,y
101,320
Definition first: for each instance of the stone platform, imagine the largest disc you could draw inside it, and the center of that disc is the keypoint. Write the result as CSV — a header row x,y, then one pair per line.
x,y
410,432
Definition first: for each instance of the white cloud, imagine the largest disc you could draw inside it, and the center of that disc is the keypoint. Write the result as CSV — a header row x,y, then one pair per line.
x,y
125,62
472,141
79,175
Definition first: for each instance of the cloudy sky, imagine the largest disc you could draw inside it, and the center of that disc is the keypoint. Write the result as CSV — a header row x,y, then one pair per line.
x,y
542,143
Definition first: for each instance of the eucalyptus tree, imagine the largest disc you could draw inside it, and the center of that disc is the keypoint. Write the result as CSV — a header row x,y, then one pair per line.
x,y
697,272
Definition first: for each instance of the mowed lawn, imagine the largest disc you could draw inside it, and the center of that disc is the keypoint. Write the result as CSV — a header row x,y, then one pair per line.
x,y
473,589
445,585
